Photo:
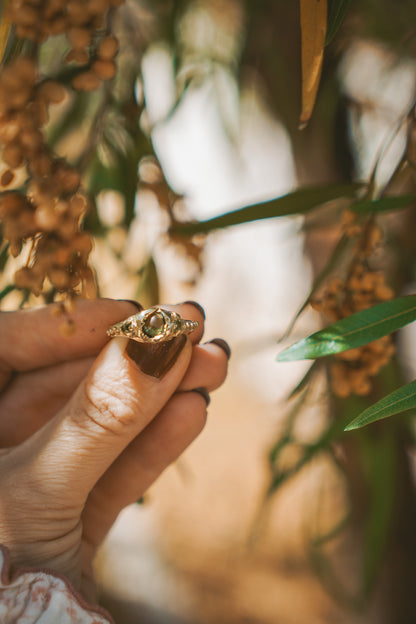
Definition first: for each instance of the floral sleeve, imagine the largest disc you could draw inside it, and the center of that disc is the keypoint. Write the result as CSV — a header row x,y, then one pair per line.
x,y
30,595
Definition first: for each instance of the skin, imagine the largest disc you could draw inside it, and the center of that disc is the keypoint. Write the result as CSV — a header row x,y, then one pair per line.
x,y
84,432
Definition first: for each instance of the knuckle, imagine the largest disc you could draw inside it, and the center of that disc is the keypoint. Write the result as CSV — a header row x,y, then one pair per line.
x,y
112,407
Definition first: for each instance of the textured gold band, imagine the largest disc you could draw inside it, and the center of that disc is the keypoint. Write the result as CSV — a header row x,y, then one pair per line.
x,y
152,325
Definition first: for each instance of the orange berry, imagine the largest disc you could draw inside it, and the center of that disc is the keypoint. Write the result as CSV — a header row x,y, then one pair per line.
x,y
374,236
317,305
66,229
59,278
23,278
31,140
353,230
25,69
104,69
57,26
68,179
11,204
15,246
52,91
87,81
360,382
13,155
7,177
62,255
28,16
77,205
335,285
107,48
341,388
384,292
80,57
350,355
77,14
9,129
46,218
40,165
82,243
97,7
79,38
348,217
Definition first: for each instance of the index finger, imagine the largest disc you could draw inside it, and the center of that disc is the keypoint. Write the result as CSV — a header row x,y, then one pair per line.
x,y
32,339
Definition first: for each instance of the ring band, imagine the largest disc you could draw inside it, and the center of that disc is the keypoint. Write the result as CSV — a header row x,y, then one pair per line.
x,y
152,325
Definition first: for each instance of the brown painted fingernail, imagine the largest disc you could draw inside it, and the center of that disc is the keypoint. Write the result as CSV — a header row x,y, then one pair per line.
x,y
204,393
156,359
196,305
222,344
133,302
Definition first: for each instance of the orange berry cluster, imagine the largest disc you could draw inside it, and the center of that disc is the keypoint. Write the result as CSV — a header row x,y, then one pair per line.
x,y
152,179
24,104
79,20
352,371
50,211
48,207
102,68
37,20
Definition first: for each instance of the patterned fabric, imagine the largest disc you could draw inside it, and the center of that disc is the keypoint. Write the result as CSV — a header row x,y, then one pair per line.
x,y
40,596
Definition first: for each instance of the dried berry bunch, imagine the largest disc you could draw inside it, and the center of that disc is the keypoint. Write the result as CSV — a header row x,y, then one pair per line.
x,y
152,179
47,208
83,22
363,287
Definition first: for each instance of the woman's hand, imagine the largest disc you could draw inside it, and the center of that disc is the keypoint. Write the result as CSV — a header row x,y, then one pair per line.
x,y
83,436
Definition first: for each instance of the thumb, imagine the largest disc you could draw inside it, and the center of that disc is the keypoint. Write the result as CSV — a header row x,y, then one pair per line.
x,y
127,386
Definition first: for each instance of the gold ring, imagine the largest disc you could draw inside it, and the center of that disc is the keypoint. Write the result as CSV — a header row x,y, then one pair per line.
x,y
152,325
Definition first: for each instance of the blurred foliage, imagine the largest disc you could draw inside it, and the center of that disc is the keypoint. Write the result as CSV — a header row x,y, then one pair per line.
x,y
106,134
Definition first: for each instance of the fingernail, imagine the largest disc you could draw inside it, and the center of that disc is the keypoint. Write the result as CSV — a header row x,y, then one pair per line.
x,y
204,393
222,344
133,302
197,306
155,359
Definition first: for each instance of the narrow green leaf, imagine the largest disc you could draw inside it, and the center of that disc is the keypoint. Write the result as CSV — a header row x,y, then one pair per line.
x,y
6,290
305,381
354,331
337,12
298,202
4,256
383,204
400,400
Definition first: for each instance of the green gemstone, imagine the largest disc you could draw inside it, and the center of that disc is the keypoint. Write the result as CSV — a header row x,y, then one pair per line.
x,y
127,328
154,325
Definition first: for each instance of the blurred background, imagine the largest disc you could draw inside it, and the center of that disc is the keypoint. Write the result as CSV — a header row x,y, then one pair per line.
x,y
273,515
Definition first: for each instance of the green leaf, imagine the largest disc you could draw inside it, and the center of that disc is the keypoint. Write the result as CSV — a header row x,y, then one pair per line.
x,y
305,381
6,290
383,204
298,202
400,400
4,256
354,331
337,12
